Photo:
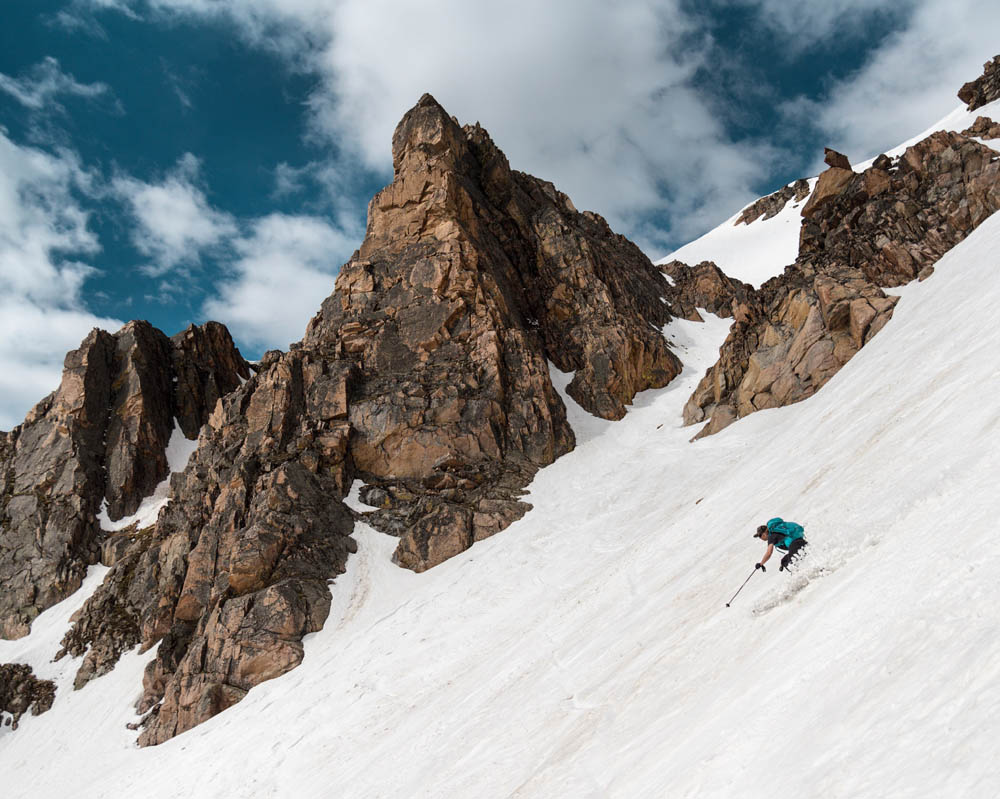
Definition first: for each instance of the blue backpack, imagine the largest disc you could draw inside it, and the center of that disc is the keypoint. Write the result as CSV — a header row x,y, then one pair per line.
x,y
790,530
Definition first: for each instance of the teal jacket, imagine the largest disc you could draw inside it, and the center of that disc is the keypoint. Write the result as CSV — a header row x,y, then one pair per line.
x,y
782,533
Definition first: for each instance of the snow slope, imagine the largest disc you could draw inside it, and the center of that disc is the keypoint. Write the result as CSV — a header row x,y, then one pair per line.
x,y
587,650
756,252
752,253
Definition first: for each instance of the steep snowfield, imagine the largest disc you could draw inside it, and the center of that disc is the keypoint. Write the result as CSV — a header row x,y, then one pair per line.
x,y
752,253
587,650
756,252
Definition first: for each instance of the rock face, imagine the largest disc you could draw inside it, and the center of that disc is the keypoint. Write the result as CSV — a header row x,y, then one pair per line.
x,y
471,278
235,571
100,436
704,286
21,691
773,204
861,233
984,89
426,375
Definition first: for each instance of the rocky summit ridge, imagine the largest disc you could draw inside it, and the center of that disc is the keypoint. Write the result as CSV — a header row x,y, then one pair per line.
x,y
426,376
862,232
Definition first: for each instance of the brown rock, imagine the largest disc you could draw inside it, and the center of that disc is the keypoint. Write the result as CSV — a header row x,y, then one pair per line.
x,y
983,128
101,436
984,89
861,233
703,286
830,184
487,275
771,205
21,691
835,159
426,374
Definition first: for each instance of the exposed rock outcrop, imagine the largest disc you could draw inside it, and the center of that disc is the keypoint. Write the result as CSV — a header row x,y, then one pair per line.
x,y
830,183
984,89
983,128
773,204
425,374
861,232
703,286
100,437
21,691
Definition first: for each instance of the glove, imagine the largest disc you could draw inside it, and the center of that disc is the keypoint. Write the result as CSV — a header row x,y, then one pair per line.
x,y
762,567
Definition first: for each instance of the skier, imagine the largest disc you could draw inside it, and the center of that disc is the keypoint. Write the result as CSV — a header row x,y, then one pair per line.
x,y
786,536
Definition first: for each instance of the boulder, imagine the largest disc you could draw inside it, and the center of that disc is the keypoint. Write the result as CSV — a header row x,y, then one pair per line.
x,y
983,128
984,89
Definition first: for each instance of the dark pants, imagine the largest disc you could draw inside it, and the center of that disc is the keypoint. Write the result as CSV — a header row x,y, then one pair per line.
x,y
796,545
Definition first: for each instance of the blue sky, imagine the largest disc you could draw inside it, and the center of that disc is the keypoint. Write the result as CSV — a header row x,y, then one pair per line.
x,y
180,160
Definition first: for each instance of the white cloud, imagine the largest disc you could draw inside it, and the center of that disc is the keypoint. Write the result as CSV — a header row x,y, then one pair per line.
x,y
594,96
910,81
175,222
598,96
45,81
285,267
41,313
288,180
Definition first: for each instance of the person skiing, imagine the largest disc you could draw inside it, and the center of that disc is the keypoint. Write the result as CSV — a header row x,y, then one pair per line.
x,y
786,536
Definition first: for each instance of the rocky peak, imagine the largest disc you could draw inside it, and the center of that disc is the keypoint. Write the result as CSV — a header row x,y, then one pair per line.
x,y
427,138
984,89
101,436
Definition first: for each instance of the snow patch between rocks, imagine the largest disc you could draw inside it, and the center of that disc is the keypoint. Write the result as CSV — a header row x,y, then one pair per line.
x,y
179,451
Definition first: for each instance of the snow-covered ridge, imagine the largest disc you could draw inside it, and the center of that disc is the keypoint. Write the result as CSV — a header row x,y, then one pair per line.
x,y
752,253
756,252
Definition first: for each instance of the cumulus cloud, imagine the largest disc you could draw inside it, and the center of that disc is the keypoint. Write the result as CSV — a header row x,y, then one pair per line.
x,y
594,96
174,220
38,87
599,97
285,267
42,226
909,82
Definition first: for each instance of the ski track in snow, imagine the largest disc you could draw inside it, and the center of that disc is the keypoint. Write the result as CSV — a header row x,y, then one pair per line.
x,y
586,651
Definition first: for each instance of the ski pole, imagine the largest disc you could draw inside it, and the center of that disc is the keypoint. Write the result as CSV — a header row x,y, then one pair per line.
x,y
747,580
